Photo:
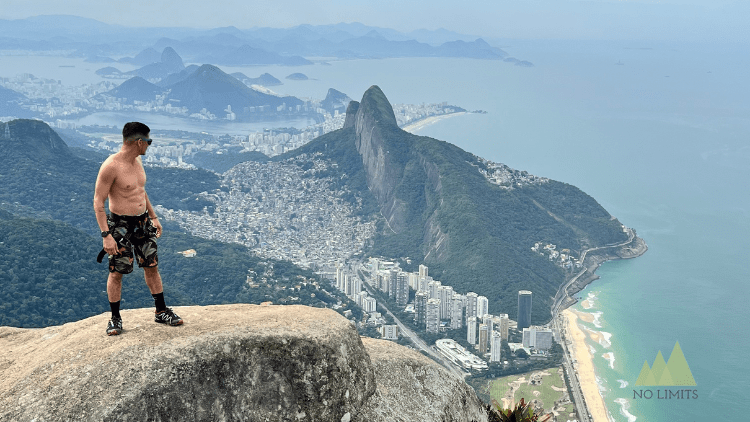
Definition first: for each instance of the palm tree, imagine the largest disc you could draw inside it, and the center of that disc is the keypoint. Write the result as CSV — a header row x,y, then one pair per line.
x,y
524,412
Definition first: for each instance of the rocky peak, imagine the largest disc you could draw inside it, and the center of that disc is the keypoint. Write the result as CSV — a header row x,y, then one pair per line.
x,y
375,124
32,138
351,114
229,362
172,59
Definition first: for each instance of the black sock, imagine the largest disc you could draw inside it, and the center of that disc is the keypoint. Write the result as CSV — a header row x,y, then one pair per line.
x,y
159,301
115,307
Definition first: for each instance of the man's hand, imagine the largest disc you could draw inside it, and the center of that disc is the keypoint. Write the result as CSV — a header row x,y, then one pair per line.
x,y
110,245
157,225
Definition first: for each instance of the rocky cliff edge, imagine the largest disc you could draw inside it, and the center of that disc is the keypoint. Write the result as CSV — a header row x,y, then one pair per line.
x,y
226,363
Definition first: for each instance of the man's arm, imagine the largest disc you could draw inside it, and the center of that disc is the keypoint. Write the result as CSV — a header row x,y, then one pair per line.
x,y
154,217
104,182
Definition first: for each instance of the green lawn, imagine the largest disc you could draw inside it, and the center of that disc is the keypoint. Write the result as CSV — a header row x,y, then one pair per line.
x,y
498,387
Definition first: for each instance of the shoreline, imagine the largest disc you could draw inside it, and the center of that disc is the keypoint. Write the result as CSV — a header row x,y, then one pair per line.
x,y
422,123
584,367
575,336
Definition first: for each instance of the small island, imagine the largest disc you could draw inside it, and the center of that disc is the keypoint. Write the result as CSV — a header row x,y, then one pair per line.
x,y
297,77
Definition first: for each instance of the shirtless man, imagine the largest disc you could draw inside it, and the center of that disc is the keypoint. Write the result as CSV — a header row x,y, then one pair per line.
x,y
132,225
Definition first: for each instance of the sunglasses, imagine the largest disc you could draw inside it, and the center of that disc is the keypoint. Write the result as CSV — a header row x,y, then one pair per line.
x,y
146,140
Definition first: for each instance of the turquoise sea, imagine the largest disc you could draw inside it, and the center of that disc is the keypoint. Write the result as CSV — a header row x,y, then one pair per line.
x,y
659,134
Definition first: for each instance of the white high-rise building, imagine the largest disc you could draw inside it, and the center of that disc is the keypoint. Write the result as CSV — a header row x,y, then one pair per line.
x,y
489,321
432,289
375,265
414,281
471,330
360,299
423,270
369,304
496,347
537,338
445,294
423,283
433,315
340,277
356,284
483,306
457,312
471,306
389,332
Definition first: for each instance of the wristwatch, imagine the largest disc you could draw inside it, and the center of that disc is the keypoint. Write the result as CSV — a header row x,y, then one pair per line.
x,y
105,234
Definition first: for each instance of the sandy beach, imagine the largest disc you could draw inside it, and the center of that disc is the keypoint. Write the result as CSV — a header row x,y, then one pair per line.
x,y
585,368
421,124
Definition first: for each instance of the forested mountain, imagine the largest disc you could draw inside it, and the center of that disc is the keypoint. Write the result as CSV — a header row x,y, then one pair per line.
x,y
49,240
472,222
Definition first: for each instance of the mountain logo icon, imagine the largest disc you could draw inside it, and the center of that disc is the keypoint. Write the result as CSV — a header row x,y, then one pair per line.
x,y
674,372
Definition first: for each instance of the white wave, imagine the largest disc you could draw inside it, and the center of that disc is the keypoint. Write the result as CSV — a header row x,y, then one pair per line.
x,y
600,385
592,350
596,321
611,358
623,383
605,339
624,406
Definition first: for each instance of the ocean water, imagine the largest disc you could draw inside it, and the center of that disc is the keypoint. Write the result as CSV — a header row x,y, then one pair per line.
x,y
661,140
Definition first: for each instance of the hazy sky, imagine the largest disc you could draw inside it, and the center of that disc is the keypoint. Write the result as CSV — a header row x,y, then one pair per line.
x,y
712,20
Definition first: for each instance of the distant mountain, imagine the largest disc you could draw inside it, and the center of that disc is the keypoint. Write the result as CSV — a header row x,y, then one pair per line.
x,y
10,103
178,77
247,55
136,89
50,238
110,72
170,62
297,77
209,87
265,79
479,49
39,171
472,222
143,58
335,100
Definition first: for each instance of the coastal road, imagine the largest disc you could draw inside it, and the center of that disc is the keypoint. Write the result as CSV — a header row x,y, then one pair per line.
x,y
569,366
415,339
561,335
562,292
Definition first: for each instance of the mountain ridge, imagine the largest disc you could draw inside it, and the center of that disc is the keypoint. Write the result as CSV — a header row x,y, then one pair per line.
x,y
472,222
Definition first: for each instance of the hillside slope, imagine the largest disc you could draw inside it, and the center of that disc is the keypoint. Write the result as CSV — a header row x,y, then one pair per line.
x,y
472,222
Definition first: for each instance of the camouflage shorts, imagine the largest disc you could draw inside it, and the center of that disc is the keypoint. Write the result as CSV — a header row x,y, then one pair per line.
x,y
134,233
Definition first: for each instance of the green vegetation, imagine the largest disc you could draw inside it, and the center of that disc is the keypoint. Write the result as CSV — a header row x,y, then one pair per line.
x,y
489,230
38,171
48,275
550,390
49,239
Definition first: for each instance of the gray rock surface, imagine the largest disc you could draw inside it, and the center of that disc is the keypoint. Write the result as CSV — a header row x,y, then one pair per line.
x,y
226,363
412,387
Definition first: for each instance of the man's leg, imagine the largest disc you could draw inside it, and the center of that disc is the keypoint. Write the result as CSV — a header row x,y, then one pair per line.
x,y
153,281
114,293
114,287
